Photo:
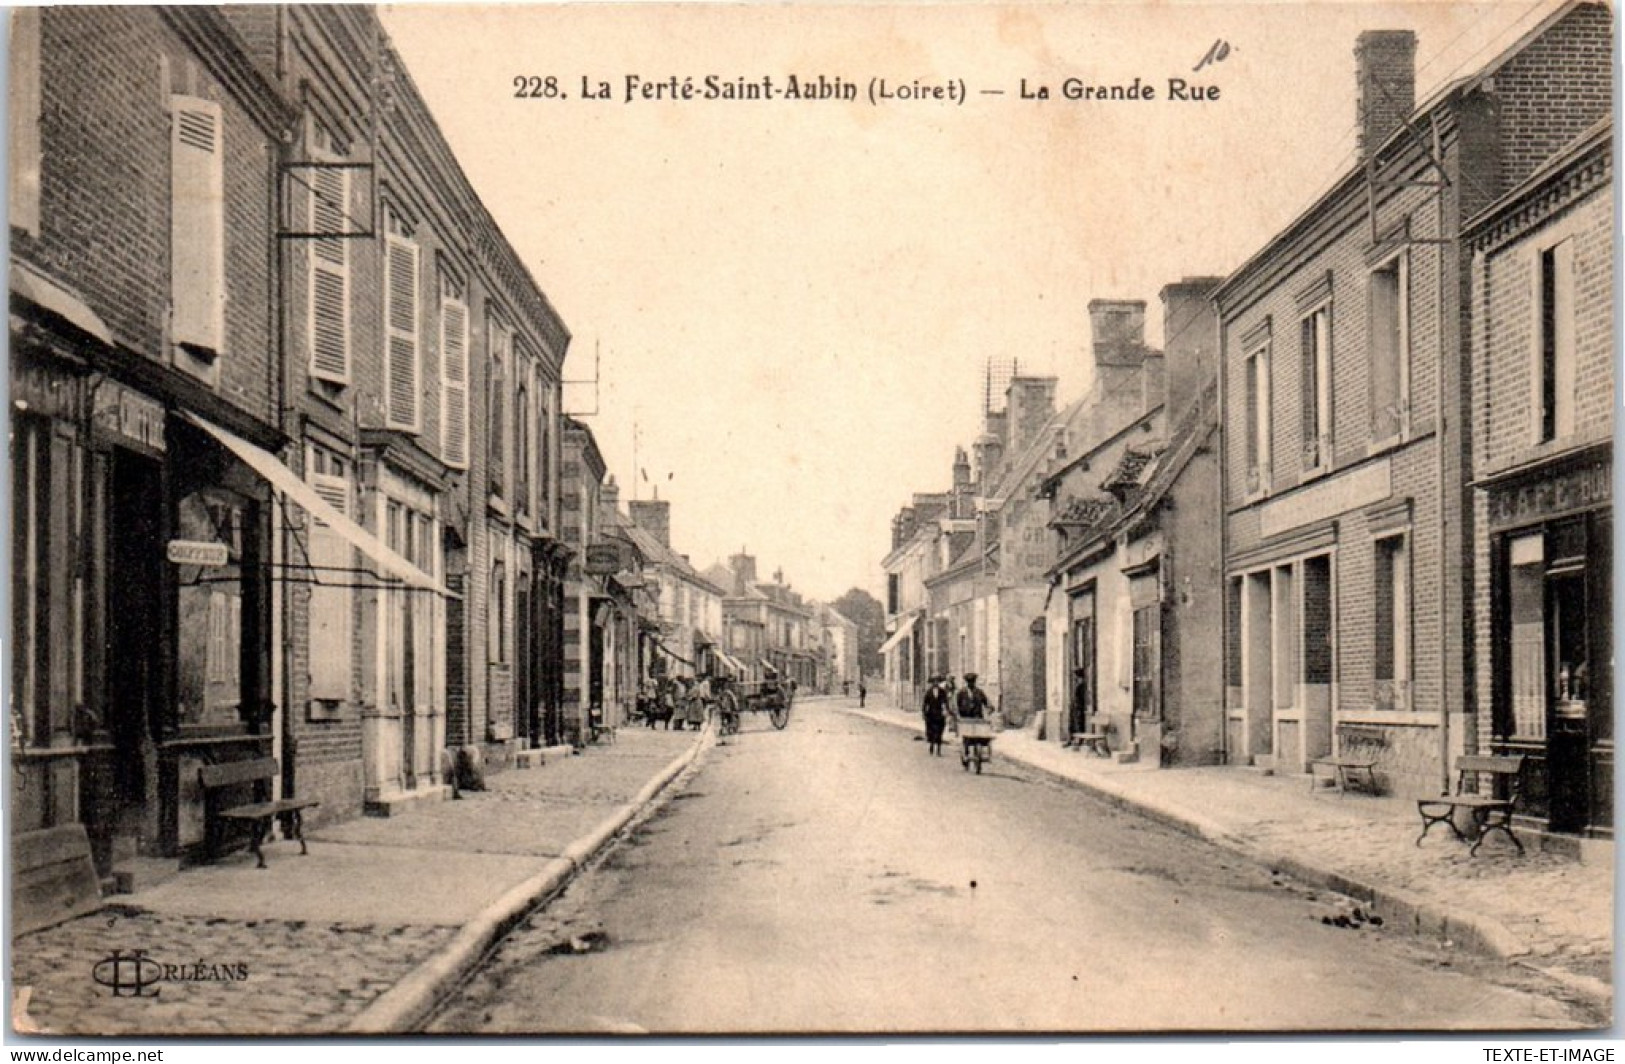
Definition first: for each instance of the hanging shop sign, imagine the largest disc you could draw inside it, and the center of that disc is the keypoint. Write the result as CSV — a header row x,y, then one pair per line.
x,y
197,552
603,559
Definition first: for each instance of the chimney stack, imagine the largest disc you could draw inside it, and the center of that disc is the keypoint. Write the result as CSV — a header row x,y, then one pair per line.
x,y
1117,327
609,503
1385,84
744,567
1190,330
654,517
1029,404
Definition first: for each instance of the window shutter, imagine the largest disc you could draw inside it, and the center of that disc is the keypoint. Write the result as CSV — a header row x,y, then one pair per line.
x,y
330,605
401,332
197,230
329,276
454,384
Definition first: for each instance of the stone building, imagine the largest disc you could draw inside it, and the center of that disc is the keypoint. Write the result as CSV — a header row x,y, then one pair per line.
x,y
688,605
1348,524
1543,348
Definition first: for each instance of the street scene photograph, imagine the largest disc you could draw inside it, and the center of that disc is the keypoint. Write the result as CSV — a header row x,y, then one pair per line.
x,y
900,520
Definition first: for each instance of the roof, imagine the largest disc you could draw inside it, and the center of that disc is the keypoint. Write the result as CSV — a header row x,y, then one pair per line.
x,y
1086,512
657,553
1133,469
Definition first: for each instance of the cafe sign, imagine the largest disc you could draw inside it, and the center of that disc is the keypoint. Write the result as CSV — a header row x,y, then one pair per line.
x,y
129,418
603,559
197,552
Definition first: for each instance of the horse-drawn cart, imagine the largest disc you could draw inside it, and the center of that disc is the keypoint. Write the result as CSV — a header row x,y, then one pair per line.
x,y
773,697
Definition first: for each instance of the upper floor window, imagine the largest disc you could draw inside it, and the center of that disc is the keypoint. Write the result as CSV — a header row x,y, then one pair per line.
x,y
521,444
401,330
1256,389
453,373
501,344
24,142
1316,331
1390,349
197,228
329,296
1556,377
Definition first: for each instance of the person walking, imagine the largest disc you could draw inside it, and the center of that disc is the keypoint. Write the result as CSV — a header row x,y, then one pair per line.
x,y
972,701
935,710
863,692
699,701
1079,722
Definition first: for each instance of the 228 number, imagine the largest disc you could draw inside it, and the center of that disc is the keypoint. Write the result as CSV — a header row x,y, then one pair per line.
x,y
535,87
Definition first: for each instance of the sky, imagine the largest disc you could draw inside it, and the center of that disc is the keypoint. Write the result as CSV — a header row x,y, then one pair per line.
x,y
789,306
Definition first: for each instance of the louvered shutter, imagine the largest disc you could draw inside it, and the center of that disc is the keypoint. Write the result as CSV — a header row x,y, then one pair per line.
x,y
329,276
454,384
401,332
329,604
197,224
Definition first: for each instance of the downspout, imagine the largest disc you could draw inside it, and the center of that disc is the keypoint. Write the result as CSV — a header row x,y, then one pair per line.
x,y
1224,541
1441,594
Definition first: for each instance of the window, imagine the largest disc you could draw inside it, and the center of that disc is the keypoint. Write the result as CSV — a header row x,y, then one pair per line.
x,y
1147,661
329,322
497,405
497,615
209,613
1390,349
1391,652
1527,602
521,444
453,374
544,456
47,665
401,330
1316,331
197,228
1556,326
24,144
1257,390
330,595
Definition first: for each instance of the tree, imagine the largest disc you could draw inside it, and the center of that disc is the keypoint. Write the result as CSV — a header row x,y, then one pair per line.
x,y
865,611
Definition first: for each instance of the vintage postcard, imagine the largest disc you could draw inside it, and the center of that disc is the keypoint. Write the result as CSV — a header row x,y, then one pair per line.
x,y
755,519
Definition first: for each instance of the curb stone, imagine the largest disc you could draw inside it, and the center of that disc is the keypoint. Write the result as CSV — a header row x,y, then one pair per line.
x,y
1399,908
404,1006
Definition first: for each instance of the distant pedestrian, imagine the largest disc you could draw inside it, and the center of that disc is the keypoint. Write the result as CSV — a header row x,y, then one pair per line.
x,y
972,701
1079,722
699,701
935,710
863,692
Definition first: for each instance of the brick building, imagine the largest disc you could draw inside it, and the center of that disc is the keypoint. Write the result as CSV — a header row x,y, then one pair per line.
x,y
1543,425
145,638
1348,522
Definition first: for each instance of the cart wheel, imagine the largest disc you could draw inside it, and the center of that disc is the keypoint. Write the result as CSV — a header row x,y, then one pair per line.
x,y
780,716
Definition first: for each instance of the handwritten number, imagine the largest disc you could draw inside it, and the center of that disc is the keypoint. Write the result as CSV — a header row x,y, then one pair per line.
x,y
1215,54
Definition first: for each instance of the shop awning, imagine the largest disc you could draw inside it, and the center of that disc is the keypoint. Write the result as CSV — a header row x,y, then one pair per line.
x,y
901,634
42,291
390,564
730,661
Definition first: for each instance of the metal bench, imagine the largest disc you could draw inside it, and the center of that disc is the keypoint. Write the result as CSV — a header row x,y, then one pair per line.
x,y
214,779
1490,812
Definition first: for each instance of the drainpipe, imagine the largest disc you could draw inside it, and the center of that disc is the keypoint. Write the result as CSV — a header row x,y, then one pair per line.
x,y
1441,437
1224,544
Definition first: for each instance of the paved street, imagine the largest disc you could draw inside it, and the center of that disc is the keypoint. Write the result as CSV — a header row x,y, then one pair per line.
x,y
833,877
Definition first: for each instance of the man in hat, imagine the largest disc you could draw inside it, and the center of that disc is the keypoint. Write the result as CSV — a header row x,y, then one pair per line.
x,y
972,704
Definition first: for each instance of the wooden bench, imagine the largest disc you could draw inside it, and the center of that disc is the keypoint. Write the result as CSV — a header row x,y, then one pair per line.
x,y
216,778
1354,765
1093,741
1489,812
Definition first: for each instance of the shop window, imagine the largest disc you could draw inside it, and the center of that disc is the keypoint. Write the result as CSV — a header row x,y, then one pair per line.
x,y
209,619
1392,624
1390,349
1148,662
1556,328
1526,594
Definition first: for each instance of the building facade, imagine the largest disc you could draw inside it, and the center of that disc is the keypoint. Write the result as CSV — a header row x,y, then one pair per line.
x,y
1348,523
1543,379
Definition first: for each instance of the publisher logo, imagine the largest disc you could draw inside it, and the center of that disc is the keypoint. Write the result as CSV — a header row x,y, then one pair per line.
x,y
131,974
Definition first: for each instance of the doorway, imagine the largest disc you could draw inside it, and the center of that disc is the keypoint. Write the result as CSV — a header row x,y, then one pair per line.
x,y
136,639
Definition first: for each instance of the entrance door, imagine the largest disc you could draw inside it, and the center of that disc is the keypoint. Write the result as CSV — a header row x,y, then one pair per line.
x,y
1568,677
1040,683
135,550
1083,658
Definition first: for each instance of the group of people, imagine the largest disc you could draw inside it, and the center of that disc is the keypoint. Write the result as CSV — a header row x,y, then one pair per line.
x,y
942,702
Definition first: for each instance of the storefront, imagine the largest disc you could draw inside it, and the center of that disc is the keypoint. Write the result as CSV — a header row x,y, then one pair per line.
x,y
1551,568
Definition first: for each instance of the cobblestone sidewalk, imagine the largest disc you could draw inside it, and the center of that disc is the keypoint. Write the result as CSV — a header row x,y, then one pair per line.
x,y
306,944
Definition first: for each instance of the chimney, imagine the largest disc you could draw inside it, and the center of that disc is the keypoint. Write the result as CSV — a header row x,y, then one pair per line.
x,y
989,450
1153,379
1029,403
1385,84
1190,330
744,567
1117,327
654,517
609,503
961,470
